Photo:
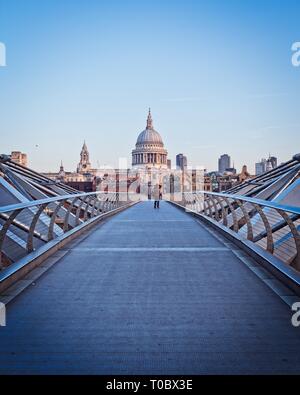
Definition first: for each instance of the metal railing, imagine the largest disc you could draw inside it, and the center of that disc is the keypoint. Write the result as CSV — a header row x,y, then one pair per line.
x,y
271,226
25,227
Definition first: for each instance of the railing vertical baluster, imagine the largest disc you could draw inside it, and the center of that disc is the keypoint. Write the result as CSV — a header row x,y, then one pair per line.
x,y
207,199
34,221
79,208
94,205
295,234
4,230
99,207
67,216
270,241
87,208
247,219
224,212
233,214
53,218
216,215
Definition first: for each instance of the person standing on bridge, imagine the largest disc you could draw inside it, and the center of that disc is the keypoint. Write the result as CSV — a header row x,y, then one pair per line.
x,y
157,195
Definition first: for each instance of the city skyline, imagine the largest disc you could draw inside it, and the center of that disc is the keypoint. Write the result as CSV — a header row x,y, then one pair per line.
x,y
123,161
88,75
181,160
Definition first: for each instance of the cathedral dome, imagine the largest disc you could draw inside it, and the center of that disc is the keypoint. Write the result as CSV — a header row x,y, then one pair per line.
x,y
149,149
149,135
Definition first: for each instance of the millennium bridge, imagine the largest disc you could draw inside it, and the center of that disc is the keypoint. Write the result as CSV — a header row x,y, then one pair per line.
x,y
101,283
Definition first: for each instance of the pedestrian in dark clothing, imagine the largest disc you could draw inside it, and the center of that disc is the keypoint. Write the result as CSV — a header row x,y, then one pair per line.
x,y
157,195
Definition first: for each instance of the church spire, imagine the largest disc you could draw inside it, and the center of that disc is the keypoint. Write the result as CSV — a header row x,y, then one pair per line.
x,y
149,120
61,173
84,165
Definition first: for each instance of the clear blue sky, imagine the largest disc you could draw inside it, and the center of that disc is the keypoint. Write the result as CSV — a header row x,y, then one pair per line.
x,y
217,75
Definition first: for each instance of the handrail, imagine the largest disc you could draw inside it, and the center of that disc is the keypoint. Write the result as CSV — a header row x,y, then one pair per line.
x,y
265,203
33,203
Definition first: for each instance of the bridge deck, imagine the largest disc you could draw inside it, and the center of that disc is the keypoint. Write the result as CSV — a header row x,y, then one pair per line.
x,y
150,292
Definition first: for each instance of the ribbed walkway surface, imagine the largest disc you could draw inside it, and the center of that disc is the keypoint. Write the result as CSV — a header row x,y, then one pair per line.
x,y
149,292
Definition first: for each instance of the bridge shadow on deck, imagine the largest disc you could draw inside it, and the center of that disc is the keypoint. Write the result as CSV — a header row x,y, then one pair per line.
x,y
149,292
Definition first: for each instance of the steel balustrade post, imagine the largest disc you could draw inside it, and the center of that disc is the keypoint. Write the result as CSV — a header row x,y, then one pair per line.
x,y
110,203
196,203
185,199
234,216
216,215
87,207
270,241
4,230
181,202
99,207
209,206
295,234
113,202
206,206
224,212
191,201
34,221
248,220
94,206
79,208
66,222
200,202
53,218
116,203
208,211
103,206
106,204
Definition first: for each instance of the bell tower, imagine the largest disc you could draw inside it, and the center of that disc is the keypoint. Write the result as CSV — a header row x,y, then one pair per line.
x,y
84,165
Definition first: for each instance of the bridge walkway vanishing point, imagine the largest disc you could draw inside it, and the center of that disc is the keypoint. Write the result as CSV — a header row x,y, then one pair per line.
x,y
149,292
